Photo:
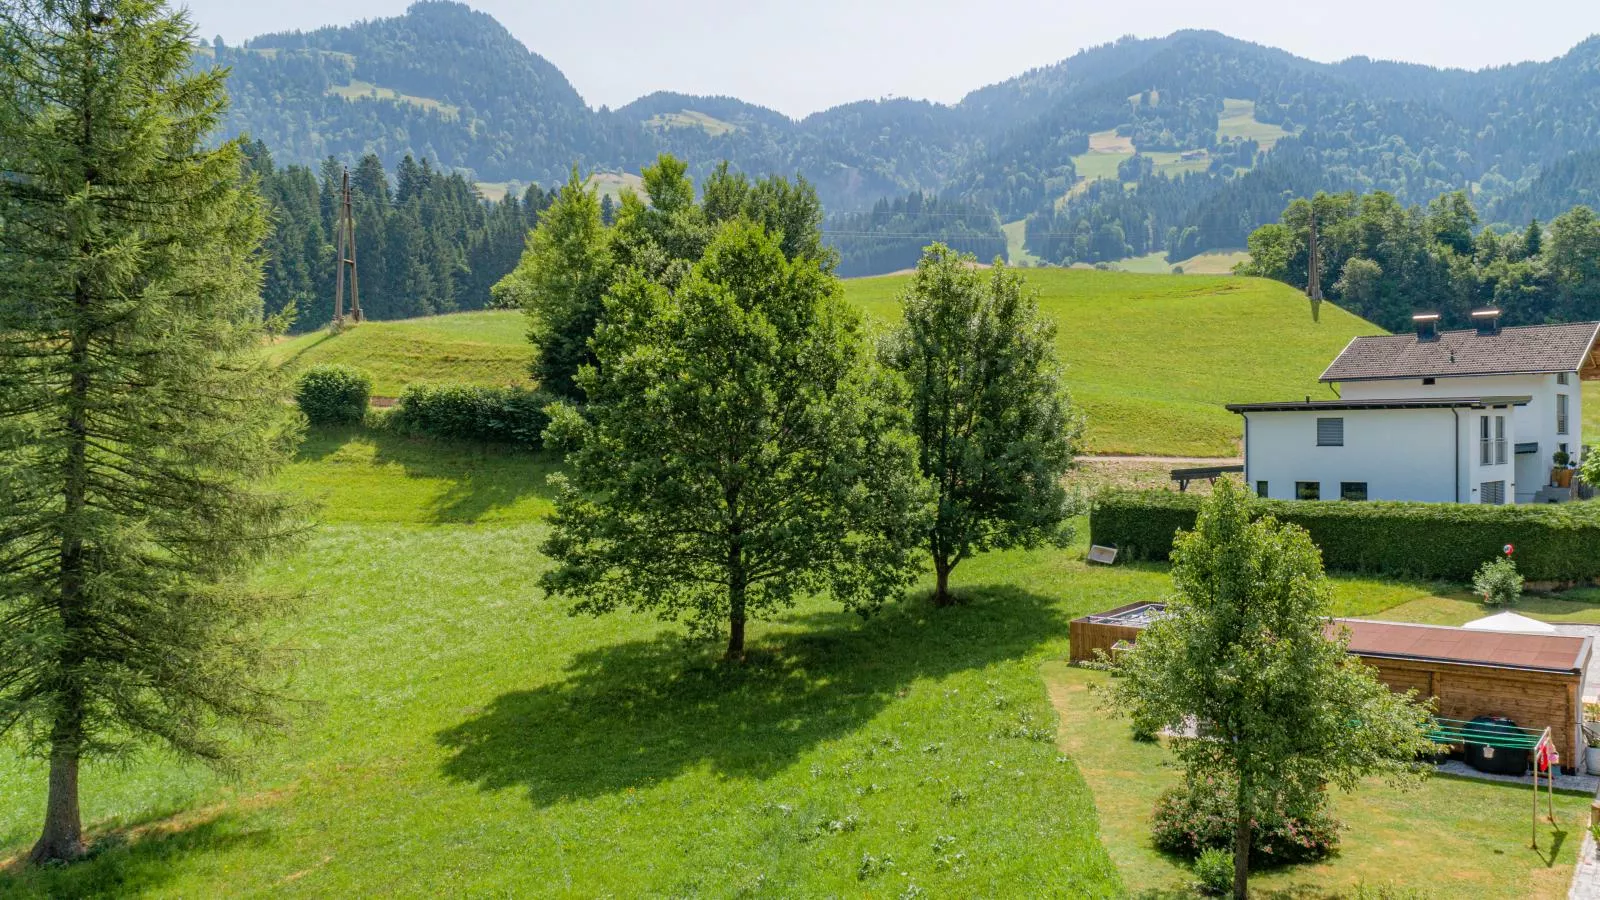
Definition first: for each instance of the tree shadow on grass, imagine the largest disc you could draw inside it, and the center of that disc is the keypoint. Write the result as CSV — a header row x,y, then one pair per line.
x,y
634,714
128,861
480,478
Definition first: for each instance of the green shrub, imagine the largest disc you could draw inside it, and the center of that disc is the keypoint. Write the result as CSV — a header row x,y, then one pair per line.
x,y
1192,818
1555,542
334,395
1498,582
1213,871
467,413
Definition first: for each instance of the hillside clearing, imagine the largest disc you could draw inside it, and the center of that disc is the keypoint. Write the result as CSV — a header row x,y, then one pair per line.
x,y
1238,120
689,118
358,90
1016,252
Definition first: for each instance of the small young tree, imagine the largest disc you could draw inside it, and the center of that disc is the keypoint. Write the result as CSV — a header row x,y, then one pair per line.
x,y
1244,654
559,282
138,417
738,451
994,426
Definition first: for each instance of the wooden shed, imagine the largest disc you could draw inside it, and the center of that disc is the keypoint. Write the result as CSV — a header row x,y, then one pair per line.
x,y
1536,680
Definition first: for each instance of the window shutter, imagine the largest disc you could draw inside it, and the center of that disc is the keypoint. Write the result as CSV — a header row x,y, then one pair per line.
x,y
1330,432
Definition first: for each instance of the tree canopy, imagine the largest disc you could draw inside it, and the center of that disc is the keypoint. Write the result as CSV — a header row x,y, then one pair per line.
x,y
1243,661
737,450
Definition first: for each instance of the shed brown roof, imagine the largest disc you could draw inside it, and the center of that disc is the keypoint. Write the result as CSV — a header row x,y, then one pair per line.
x,y
1437,643
1521,350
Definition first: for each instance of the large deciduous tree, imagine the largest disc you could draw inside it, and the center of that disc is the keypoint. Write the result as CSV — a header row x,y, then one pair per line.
x,y
1242,656
560,281
995,428
739,450
138,418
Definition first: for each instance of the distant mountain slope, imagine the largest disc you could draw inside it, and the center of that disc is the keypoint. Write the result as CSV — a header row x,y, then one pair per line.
x,y
1196,137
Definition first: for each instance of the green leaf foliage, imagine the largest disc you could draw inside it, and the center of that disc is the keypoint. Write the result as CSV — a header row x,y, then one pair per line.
x,y
332,394
466,412
994,425
739,450
559,283
138,417
1555,542
1278,710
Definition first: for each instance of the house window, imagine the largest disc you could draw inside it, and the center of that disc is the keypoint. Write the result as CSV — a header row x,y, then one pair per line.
x,y
1485,443
1561,378
1492,492
1330,432
1499,440
1308,490
1561,414
1261,489
1352,490
1428,381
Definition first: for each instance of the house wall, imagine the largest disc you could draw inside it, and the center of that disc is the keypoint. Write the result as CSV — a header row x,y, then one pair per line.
x,y
1402,454
1535,422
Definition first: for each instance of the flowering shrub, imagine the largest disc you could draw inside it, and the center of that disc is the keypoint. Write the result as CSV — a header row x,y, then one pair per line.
x,y
1200,815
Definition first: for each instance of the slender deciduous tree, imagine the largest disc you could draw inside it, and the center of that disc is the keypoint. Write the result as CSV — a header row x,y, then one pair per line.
x,y
995,428
559,282
739,450
137,416
1243,656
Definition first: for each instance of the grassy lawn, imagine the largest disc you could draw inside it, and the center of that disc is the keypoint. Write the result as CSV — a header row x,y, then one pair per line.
x,y
1458,607
463,735
489,348
460,733
689,118
1146,353
1450,837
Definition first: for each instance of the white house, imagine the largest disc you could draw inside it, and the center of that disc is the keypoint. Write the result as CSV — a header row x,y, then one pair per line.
x,y
1473,416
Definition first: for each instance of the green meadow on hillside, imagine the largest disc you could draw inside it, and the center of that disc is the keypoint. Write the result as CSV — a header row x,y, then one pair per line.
x,y
458,733
488,348
1153,358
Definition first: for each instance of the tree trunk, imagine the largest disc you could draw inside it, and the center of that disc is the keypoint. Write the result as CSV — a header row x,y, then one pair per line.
x,y
941,584
62,838
1241,843
735,623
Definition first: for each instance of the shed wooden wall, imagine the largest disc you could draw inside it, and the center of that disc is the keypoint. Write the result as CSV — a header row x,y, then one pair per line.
x,y
1531,699
1087,637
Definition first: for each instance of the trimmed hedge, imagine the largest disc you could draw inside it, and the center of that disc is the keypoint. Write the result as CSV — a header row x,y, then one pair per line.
x,y
1554,542
467,413
333,395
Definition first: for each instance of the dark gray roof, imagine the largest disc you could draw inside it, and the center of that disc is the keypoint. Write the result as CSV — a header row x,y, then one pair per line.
x,y
1523,350
1338,405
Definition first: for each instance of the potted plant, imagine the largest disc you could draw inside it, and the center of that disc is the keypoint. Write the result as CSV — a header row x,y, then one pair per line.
x,y
1591,737
1561,475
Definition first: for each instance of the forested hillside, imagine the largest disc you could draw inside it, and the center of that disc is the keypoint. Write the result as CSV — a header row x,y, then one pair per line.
x,y
1177,144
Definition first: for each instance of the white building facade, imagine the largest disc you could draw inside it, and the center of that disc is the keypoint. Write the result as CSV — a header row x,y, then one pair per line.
x,y
1456,417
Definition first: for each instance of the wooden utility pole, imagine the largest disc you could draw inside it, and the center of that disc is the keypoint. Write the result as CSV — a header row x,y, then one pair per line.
x,y
1314,271
345,244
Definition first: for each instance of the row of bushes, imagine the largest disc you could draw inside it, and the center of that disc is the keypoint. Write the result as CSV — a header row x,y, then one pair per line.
x,y
1555,542
466,413
339,395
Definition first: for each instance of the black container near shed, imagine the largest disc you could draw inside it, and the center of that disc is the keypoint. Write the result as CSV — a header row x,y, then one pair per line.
x,y
1486,757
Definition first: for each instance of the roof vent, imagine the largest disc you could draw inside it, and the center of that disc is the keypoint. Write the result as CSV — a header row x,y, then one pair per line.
x,y
1487,320
1427,324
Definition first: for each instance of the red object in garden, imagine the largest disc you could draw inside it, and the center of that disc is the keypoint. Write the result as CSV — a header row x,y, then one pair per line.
x,y
1510,549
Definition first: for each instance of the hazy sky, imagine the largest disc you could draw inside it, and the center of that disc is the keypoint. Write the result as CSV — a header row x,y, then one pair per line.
x,y
799,57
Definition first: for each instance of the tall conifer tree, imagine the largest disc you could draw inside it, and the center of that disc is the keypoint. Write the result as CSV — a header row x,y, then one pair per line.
x,y
137,415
